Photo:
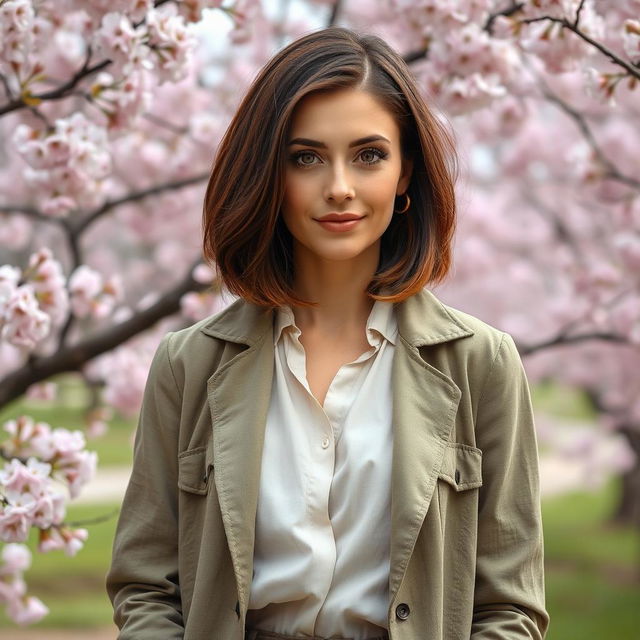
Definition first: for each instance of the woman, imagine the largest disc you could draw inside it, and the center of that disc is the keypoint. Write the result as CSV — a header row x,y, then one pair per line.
x,y
337,454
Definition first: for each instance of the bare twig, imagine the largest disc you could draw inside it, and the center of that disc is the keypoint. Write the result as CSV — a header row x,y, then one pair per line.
x,y
578,12
509,11
630,68
97,520
165,124
335,12
60,92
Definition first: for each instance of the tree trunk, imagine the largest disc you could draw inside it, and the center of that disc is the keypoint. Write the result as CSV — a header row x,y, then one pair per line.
x,y
628,509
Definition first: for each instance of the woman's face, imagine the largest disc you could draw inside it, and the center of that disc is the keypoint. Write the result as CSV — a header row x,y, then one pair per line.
x,y
344,162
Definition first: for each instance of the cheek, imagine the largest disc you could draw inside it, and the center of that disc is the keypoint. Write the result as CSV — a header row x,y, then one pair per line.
x,y
382,191
295,196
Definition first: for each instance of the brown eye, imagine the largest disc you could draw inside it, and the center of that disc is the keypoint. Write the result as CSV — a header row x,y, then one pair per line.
x,y
372,155
304,158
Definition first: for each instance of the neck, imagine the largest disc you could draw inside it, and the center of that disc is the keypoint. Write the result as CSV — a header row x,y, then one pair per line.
x,y
338,289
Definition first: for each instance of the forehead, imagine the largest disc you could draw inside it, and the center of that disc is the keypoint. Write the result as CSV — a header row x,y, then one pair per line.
x,y
349,112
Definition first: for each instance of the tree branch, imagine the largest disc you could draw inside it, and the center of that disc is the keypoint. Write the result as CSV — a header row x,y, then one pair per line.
x,y
562,339
578,118
134,196
509,11
74,357
628,67
63,91
335,11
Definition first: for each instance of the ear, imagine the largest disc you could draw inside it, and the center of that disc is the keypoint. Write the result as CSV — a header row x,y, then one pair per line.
x,y
405,176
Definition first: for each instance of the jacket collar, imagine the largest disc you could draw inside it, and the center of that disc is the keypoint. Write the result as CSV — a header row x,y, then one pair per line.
x,y
422,320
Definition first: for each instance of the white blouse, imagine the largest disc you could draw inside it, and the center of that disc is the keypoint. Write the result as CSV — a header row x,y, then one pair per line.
x,y
321,559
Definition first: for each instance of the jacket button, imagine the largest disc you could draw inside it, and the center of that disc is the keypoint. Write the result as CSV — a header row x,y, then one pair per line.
x,y
402,611
457,476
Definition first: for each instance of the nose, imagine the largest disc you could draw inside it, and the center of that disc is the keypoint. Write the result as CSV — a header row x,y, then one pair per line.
x,y
339,185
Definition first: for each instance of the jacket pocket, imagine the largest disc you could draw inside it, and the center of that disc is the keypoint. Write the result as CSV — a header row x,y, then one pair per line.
x,y
194,469
462,466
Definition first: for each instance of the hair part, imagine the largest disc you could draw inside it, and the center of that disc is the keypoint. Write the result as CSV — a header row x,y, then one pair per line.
x,y
244,235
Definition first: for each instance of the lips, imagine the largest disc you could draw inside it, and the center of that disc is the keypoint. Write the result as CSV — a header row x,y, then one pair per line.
x,y
339,222
339,217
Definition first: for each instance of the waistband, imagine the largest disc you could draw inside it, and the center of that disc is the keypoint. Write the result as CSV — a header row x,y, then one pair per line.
x,y
256,634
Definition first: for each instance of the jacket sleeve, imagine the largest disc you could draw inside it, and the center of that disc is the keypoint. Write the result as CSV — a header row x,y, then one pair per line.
x,y
142,581
509,600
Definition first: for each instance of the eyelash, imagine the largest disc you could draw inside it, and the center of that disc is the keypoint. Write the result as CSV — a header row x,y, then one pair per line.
x,y
382,155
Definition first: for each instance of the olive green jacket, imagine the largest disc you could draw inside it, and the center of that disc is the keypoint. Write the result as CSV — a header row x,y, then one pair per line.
x,y
466,537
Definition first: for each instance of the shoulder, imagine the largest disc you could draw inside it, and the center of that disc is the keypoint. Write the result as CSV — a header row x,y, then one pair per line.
x,y
198,348
458,341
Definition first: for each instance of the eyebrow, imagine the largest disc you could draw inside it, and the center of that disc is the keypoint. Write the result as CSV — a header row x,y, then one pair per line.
x,y
307,142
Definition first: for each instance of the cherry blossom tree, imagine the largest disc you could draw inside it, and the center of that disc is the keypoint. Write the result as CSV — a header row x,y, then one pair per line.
x,y
110,113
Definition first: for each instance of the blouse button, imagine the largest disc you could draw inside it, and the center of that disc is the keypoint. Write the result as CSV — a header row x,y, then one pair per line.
x,y
402,611
325,443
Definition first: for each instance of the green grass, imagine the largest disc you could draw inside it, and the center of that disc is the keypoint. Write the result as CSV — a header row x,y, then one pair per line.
x,y
560,401
592,568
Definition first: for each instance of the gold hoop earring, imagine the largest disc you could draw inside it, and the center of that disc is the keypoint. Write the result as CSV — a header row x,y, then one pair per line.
x,y
406,206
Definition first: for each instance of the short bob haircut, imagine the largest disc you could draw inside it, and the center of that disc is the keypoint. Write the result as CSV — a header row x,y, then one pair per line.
x,y
243,231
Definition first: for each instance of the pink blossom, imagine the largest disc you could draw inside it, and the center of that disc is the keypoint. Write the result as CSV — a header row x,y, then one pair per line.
x,y
16,21
172,42
9,278
192,9
47,278
556,46
122,101
197,306
462,95
631,39
25,324
90,295
552,8
118,40
43,391
15,518
76,469
66,172
203,273
26,610
85,284
14,231
15,558
21,478
62,539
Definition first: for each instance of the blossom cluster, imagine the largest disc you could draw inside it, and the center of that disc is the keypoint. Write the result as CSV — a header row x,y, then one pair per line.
x,y
21,608
66,166
44,468
31,303
35,301
162,43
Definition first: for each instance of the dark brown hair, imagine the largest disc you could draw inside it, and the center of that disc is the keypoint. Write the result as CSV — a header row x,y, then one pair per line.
x,y
244,234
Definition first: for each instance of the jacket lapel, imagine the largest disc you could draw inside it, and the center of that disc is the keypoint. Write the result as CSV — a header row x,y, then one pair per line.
x,y
239,394
425,402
